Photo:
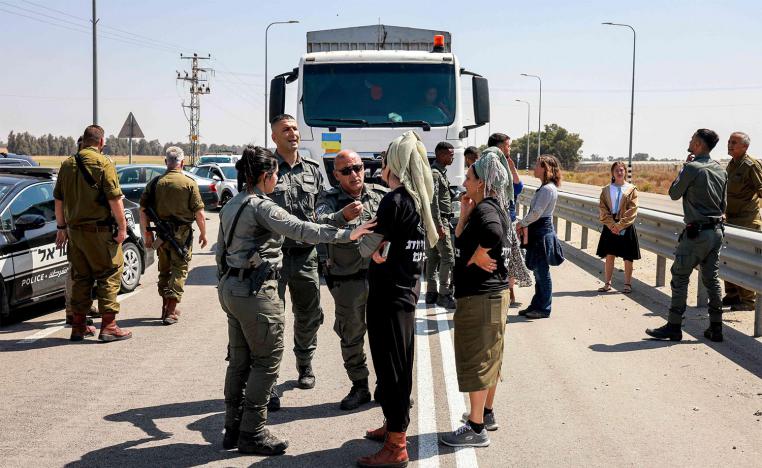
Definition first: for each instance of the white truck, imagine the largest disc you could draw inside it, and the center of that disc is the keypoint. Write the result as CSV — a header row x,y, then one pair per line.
x,y
361,87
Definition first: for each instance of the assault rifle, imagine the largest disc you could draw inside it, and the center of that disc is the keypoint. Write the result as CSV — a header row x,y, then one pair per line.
x,y
165,231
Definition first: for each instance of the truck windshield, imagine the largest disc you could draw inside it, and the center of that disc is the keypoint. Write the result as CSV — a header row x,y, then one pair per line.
x,y
367,94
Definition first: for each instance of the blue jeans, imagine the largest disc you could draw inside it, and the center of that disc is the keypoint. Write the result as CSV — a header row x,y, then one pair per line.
x,y
543,288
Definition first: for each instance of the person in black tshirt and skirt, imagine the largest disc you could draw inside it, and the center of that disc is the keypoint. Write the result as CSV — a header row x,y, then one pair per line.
x,y
403,231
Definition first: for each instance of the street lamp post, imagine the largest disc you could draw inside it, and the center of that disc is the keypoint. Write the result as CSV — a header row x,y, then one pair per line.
x,y
529,109
264,141
632,95
539,114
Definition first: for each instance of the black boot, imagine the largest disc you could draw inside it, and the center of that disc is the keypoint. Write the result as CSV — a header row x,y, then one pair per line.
x,y
714,332
446,301
230,439
274,403
262,443
431,297
306,377
669,331
358,395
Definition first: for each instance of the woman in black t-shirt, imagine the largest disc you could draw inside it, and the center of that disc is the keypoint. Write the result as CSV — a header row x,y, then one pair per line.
x,y
481,294
397,248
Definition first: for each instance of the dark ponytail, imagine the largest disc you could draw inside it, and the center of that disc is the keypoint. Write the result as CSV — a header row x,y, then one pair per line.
x,y
255,162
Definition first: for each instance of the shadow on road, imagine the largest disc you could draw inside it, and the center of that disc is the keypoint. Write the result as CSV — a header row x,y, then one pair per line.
x,y
205,275
641,345
743,350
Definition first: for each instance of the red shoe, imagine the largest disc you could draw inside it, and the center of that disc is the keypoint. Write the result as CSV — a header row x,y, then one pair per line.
x,y
392,455
79,328
170,313
110,331
379,435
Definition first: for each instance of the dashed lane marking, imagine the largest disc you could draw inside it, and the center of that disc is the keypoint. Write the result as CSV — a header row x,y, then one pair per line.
x,y
428,449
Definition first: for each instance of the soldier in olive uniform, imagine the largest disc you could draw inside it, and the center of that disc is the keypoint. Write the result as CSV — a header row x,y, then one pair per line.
x,y
176,200
350,204
702,184
441,257
744,194
252,230
299,186
90,217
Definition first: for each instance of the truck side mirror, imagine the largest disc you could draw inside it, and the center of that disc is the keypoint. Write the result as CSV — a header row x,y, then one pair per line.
x,y
277,96
480,89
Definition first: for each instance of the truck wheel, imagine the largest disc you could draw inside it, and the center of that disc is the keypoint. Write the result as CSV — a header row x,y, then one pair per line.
x,y
133,265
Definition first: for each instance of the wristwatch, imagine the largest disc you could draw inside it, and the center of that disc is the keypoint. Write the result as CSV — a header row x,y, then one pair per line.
x,y
61,227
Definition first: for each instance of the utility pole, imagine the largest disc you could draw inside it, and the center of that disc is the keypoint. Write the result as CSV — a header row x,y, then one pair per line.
x,y
197,78
95,68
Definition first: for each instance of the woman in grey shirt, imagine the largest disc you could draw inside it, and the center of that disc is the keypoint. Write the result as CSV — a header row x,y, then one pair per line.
x,y
543,247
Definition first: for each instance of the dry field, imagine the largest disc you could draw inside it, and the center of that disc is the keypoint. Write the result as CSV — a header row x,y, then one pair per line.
x,y
655,180
55,161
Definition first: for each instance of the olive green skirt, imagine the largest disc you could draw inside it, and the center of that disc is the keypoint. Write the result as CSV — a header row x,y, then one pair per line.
x,y
479,331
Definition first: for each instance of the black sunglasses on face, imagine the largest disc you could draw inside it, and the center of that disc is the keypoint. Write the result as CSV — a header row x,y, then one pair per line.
x,y
356,168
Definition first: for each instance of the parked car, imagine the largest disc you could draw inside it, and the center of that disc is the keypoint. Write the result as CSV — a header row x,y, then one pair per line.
x,y
24,157
32,268
226,176
133,179
218,158
15,162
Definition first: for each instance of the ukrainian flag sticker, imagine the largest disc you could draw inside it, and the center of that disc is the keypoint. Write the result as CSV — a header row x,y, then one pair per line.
x,y
331,142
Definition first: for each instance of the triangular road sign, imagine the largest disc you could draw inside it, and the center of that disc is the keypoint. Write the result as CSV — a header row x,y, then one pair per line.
x,y
131,129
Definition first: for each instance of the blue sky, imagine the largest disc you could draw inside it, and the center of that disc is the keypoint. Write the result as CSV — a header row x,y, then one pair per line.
x,y
698,64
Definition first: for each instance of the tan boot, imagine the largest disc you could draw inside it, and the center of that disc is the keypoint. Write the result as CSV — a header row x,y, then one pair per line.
x,y
393,454
79,328
110,331
170,315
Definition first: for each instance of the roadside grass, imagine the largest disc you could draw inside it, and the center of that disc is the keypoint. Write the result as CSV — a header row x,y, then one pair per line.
x,y
55,161
647,180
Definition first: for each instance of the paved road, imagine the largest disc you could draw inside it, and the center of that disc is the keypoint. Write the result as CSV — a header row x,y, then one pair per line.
x,y
652,201
581,389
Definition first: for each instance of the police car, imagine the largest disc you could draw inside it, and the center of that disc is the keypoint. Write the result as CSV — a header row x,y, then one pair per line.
x,y
32,268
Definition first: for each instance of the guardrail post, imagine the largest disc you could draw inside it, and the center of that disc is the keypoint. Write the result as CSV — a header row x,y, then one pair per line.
x,y
703,296
555,223
583,244
567,231
758,316
661,271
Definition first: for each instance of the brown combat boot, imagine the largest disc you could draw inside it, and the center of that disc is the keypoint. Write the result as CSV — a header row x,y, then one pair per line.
x,y
110,331
79,328
379,435
170,314
163,307
393,454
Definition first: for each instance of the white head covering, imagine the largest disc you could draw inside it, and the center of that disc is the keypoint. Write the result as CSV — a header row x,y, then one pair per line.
x,y
407,160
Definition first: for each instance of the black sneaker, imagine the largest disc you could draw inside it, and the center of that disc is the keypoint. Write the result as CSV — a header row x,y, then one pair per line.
x,y
714,332
263,443
274,403
358,396
431,297
523,312
446,301
306,377
536,314
667,332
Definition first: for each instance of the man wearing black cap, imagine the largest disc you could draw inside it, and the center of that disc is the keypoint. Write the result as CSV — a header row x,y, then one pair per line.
x,y
702,184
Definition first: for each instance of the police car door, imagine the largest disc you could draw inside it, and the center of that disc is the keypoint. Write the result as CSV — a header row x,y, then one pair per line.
x,y
39,267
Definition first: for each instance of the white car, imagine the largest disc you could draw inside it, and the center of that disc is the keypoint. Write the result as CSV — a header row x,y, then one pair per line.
x,y
218,159
225,176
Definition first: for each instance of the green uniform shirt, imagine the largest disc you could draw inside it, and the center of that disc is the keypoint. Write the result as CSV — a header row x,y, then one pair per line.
x,y
441,203
702,184
80,201
177,196
297,190
262,227
345,259
744,190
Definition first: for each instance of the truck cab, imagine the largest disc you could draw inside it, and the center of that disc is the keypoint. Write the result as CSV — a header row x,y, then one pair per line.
x,y
361,87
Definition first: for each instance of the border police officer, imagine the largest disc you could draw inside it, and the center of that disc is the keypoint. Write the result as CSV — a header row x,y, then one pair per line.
x,y
252,230
176,200
90,217
351,203
702,184
441,257
297,191
744,193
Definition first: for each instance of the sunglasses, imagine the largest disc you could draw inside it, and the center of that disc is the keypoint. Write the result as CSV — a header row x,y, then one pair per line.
x,y
356,168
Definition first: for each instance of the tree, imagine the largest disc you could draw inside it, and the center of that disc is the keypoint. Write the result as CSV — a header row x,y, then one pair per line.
x,y
595,157
557,141
640,157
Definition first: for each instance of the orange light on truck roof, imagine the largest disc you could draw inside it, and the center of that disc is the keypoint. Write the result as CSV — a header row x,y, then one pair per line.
x,y
439,40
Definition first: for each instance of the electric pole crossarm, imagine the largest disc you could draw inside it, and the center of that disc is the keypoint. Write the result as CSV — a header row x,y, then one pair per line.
x,y
196,79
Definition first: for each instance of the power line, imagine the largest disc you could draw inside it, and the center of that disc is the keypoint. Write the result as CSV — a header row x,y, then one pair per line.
x,y
197,78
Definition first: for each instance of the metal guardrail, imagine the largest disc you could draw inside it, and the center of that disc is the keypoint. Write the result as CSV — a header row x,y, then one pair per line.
x,y
740,256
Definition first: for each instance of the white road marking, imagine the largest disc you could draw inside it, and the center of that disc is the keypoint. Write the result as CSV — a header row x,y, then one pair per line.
x,y
464,456
62,324
44,332
428,445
